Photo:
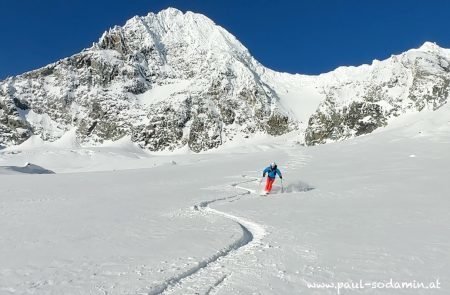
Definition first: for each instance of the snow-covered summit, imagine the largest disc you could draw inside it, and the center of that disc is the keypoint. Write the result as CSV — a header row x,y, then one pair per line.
x,y
168,79
430,47
198,36
175,79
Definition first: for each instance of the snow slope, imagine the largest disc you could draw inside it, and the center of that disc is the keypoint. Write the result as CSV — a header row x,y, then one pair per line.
x,y
369,209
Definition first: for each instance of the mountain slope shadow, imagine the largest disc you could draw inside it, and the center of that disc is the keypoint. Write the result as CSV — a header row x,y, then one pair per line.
x,y
27,169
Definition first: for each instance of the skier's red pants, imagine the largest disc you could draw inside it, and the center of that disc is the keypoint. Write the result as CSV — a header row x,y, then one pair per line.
x,y
269,183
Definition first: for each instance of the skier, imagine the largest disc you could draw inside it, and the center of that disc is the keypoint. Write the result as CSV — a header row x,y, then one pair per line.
x,y
272,172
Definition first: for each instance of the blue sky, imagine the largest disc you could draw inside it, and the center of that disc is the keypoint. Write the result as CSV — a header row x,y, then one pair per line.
x,y
296,36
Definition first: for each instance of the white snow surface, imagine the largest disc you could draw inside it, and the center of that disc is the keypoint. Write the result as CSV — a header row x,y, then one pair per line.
x,y
162,92
117,220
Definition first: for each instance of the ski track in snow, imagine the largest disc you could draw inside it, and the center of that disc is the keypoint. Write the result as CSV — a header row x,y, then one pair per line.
x,y
252,234
211,273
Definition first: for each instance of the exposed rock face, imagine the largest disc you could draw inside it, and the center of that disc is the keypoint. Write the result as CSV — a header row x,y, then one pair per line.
x,y
12,128
171,80
359,100
167,79
358,118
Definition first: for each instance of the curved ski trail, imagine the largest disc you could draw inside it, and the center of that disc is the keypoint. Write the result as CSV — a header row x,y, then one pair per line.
x,y
208,274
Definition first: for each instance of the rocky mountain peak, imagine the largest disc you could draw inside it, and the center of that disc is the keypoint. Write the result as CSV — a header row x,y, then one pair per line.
x,y
168,80
430,47
171,26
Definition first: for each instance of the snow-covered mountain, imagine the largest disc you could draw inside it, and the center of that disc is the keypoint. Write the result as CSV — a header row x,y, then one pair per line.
x,y
174,79
167,79
360,99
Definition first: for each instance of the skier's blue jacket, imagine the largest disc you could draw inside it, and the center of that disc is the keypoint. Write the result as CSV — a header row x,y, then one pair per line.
x,y
272,172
